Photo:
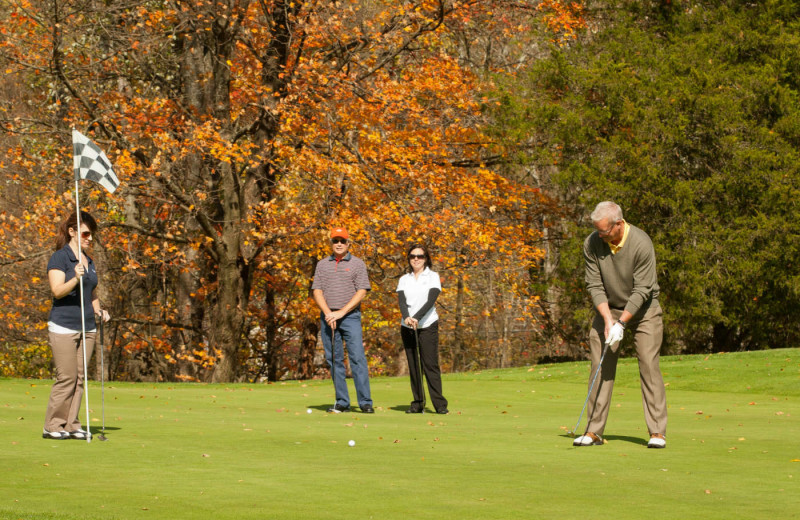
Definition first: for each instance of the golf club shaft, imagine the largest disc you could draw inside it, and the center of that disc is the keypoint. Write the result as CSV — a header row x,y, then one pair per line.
x,y
333,358
419,368
591,387
102,379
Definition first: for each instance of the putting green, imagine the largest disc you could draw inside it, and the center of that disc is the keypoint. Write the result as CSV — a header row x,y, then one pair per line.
x,y
242,451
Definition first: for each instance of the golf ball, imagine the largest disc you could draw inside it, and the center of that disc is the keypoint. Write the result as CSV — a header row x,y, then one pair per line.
x,y
351,443
308,410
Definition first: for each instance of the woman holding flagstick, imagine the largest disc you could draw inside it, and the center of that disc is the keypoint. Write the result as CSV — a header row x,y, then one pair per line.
x,y
68,267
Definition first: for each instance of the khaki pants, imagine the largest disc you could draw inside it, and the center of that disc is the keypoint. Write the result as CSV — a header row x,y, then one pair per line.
x,y
65,397
647,335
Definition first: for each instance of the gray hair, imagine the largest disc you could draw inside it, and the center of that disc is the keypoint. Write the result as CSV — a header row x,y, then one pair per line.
x,y
607,210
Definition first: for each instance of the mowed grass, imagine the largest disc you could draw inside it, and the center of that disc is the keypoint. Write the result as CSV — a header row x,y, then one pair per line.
x,y
241,451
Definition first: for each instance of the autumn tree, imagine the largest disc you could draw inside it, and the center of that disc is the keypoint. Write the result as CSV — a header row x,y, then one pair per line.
x,y
241,130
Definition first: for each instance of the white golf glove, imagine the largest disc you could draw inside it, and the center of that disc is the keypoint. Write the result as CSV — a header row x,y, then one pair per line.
x,y
615,334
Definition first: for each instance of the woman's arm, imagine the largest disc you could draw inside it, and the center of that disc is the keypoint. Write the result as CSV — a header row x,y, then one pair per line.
x,y
104,315
401,302
58,284
432,295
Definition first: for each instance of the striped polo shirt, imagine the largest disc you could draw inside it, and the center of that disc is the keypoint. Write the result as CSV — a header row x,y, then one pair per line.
x,y
339,280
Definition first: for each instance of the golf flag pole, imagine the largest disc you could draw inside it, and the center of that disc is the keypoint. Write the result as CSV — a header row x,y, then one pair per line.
x,y
83,319
89,162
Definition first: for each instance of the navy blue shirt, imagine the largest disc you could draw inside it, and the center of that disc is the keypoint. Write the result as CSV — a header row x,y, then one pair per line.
x,y
66,311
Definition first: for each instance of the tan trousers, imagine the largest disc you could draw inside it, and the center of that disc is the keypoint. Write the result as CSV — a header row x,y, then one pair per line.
x,y
647,335
67,392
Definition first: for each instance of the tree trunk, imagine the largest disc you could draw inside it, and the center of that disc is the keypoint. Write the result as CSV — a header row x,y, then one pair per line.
x,y
458,332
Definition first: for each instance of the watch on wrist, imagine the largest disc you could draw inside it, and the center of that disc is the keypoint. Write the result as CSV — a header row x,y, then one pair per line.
x,y
621,323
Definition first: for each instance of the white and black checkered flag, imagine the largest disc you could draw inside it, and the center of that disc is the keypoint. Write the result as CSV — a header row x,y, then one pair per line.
x,y
91,163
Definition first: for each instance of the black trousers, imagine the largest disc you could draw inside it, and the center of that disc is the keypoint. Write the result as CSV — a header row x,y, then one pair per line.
x,y
429,347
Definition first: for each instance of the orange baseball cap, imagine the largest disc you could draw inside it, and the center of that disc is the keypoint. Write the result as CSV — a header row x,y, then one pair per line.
x,y
339,232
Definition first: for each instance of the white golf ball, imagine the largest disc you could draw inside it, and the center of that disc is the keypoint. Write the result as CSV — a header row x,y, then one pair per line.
x,y
351,443
308,410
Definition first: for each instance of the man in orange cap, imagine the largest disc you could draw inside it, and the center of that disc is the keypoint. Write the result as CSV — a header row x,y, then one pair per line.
x,y
340,283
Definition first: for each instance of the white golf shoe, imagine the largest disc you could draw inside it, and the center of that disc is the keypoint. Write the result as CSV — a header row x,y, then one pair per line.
x,y
80,434
590,439
657,440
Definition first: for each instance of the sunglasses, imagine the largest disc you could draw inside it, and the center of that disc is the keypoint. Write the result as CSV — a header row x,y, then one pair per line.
x,y
418,257
338,241
86,234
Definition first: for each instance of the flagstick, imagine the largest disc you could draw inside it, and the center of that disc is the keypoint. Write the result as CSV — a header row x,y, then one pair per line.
x,y
83,319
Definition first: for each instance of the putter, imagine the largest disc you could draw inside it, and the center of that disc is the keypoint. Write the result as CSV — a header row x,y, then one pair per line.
x,y
419,368
102,435
591,387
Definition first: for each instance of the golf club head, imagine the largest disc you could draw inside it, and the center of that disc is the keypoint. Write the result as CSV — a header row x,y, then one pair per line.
x,y
102,437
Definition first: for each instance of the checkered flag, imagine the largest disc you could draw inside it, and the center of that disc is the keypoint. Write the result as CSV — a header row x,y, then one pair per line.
x,y
91,163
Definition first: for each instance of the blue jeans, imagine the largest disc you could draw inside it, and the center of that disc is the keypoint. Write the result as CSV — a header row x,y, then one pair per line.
x,y
348,330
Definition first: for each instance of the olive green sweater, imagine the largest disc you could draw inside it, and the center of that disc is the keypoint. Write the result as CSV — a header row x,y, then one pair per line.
x,y
626,280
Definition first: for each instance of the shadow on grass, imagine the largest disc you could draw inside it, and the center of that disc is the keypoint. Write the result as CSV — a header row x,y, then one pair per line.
x,y
610,438
398,408
626,438
325,407
99,429
404,408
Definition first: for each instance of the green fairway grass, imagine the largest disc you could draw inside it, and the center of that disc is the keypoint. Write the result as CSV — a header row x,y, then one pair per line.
x,y
242,451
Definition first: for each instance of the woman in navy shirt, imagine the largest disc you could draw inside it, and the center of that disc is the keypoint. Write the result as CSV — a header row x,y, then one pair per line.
x,y
416,293
65,272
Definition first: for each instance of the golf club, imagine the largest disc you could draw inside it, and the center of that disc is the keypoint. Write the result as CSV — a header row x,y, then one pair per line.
x,y
102,435
419,368
333,360
591,387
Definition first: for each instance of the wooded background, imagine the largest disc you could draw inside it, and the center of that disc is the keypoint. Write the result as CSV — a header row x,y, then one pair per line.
x,y
242,130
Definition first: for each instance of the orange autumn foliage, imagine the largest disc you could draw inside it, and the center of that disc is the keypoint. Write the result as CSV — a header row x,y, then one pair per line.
x,y
240,132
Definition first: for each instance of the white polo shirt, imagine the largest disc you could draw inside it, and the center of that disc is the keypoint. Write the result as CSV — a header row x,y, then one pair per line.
x,y
416,291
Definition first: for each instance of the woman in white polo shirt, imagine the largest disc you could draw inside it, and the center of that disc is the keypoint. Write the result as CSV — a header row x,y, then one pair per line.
x,y
416,293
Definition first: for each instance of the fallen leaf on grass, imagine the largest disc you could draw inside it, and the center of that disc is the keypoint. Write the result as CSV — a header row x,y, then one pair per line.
x,y
708,491
206,455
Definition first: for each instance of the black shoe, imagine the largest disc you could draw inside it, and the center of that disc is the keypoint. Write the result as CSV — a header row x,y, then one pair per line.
x,y
367,408
337,408
443,411
415,408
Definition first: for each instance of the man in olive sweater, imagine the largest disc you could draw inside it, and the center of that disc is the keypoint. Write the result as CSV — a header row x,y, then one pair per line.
x,y
621,279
